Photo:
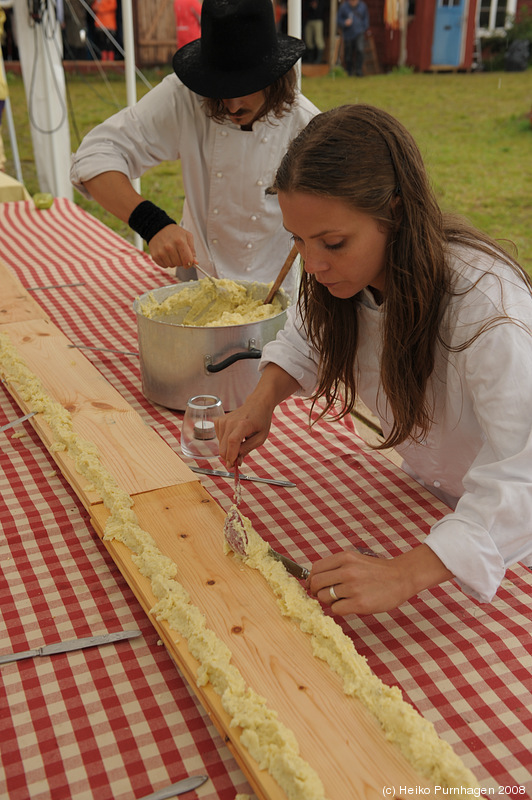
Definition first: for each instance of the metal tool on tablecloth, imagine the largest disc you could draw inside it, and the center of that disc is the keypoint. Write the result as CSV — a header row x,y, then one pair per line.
x,y
102,349
181,787
17,421
71,645
222,473
236,537
55,286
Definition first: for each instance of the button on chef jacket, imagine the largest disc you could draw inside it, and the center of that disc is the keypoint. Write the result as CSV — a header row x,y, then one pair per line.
x,y
237,228
477,455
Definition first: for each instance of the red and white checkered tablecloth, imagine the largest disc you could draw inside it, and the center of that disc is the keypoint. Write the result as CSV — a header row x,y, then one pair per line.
x,y
119,721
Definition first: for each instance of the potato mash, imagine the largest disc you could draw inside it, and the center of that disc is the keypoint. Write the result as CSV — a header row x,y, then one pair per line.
x,y
415,736
207,306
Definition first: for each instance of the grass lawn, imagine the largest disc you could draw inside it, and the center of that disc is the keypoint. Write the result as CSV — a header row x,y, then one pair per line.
x,y
474,131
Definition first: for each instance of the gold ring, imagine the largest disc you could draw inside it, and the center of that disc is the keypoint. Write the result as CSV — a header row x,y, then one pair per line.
x,y
333,594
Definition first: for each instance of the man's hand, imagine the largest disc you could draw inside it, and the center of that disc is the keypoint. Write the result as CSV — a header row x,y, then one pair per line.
x,y
173,246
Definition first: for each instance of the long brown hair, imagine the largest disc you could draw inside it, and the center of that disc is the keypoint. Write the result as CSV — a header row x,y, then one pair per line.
x,y
279,97
365,157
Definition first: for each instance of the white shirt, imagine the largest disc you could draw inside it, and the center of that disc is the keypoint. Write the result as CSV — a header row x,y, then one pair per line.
x,y
478,453
237,228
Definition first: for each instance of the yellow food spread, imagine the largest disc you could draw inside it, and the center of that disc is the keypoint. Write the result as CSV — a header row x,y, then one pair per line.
x,y
207,306
415,736
268,740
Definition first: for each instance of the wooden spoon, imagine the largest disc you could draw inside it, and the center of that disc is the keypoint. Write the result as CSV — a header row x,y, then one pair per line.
x,y
285,269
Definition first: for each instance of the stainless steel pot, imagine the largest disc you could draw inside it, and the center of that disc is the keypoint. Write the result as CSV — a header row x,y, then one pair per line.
x,y
178,361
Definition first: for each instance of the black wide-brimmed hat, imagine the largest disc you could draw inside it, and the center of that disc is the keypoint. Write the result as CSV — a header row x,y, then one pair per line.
x,y
239,52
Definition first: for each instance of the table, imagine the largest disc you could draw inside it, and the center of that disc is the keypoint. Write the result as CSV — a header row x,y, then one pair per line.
x,y
119,722
11,189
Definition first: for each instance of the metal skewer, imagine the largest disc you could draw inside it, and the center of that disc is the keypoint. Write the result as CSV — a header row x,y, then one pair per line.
x,y
102,349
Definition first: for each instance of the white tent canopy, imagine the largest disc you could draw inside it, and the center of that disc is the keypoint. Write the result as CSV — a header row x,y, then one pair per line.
x,y
41,54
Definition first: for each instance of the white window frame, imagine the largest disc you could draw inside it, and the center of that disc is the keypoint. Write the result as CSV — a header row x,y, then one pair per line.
x,y
491,30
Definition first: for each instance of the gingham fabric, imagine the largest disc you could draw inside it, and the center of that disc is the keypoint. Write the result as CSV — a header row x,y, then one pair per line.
x,y
119,721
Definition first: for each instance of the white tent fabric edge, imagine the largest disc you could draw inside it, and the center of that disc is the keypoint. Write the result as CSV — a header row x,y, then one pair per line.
x,y
40,52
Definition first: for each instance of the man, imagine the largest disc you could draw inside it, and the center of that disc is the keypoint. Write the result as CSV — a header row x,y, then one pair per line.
x,y
228,114
353,20
314,38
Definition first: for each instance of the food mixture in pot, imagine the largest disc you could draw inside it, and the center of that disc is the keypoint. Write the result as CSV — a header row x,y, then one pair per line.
x,y
205,305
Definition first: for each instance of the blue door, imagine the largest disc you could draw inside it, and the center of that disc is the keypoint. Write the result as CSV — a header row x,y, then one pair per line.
x,y
447,39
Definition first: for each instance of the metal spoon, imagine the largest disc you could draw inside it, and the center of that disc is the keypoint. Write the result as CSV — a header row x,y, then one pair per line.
x,y
215,283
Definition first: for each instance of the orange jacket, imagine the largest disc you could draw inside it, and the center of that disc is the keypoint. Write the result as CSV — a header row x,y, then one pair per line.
x,y
105,11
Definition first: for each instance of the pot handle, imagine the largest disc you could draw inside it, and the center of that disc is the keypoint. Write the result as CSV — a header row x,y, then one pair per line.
x,y
253,352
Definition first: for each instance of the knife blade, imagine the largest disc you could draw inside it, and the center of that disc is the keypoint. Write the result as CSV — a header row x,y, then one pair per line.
x,y
220,473
294,569
186,785
70,645
17,421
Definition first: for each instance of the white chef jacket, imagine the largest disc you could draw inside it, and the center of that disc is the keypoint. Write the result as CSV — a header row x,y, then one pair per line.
x,y
237,228
478,452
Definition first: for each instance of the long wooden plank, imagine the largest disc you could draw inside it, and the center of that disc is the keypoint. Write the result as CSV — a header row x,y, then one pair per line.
x,y
134,453
16,303
336,734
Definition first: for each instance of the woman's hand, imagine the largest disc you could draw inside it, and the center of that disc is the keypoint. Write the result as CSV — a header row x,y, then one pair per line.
x,y
368,585
243,430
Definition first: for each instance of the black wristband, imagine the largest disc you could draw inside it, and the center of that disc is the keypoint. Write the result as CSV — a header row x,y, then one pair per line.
x,y
147,219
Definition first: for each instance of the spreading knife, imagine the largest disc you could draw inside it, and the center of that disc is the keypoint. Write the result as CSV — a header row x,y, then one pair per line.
x,y
17,421
70,645
220,473
290,566
181,787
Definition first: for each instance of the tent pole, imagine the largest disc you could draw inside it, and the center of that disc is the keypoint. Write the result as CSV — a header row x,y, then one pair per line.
x,y
333,28
131,79
11,126
294,28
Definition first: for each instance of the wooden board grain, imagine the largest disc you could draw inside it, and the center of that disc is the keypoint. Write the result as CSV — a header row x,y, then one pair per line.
x,y
16,303
336,734
138,458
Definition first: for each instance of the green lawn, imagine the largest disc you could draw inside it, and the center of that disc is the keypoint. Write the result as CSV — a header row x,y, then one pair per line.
x,y
474,131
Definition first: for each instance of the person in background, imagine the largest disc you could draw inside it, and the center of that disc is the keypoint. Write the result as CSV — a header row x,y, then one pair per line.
x,y
429,322
353,21
314,38
187,21
105,18
74,29
228,114
281,13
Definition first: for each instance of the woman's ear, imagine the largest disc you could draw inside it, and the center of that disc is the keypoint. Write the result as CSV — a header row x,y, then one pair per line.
x,y
396,209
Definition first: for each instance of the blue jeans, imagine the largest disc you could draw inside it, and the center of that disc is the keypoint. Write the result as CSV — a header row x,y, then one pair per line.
x,y
354,54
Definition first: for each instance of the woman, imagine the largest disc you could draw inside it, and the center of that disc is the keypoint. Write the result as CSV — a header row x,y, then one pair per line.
x,y
429,322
